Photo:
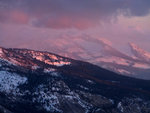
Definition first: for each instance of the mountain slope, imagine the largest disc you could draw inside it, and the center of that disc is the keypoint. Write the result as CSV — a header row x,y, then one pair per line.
x,y
121,63
35,82
100,52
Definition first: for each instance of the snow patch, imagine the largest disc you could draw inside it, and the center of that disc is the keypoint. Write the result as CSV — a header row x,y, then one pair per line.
x,y
112,101
85,88
122,71
48,100
90,81
9,82
35,67
119,106
55,74
61,63
49,70
51,60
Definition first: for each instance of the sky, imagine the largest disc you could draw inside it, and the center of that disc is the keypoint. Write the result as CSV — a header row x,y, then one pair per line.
x,y
50,24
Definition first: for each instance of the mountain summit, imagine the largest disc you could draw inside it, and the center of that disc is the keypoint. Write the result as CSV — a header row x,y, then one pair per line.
x,y
42,82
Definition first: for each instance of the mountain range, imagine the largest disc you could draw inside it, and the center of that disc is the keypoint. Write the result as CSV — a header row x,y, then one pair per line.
x,y
43,82
101,52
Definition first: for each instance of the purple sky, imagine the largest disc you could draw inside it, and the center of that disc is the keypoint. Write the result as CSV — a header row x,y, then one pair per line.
x,y
51,24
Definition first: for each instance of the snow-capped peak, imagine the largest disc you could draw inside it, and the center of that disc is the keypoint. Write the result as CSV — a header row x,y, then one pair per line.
x,y
139,53
26,58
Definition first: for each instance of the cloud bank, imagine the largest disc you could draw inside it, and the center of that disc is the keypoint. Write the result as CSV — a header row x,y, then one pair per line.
x,y
60,14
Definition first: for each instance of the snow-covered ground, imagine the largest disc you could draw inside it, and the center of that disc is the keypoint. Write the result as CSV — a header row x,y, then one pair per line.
x,y
9,82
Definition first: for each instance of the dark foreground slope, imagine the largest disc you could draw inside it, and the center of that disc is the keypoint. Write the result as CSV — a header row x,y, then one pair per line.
x,y
41,82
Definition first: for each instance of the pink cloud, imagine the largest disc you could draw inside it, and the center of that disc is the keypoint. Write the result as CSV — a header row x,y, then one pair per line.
x,y
14,16
69,22
19,17
69,14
